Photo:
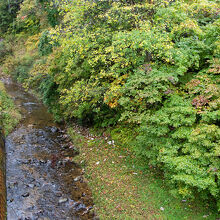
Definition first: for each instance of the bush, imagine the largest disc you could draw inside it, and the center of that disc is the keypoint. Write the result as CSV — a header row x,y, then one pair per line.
x,y
153,64
22,58
3,50
186,149
8,13
52,11
36,15
44,46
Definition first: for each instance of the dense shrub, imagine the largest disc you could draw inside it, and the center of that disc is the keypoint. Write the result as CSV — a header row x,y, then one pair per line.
x,y
8,12
154,64
44,46
4,50
36,15
52,11
18,67
186,150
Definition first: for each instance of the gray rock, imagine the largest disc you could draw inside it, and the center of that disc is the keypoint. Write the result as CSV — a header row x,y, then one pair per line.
x,y
79,206
31,185
63,200
77,178
26,194
58,194
54,129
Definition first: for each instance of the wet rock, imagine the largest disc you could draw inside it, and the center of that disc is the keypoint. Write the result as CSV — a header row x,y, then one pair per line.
x,y
63,200
60,164
41,162
37,184
54,129
78,178
58,194
79,206
65,136
26,194
90,207
31,179
83,194
31,185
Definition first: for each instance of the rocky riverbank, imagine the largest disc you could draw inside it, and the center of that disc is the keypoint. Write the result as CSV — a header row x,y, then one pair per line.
x,y
43,181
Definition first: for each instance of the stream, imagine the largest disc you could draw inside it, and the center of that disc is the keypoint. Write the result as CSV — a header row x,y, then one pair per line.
x,y
43,181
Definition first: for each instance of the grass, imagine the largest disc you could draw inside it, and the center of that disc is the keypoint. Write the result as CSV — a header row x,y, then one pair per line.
x,y
122,189
9,115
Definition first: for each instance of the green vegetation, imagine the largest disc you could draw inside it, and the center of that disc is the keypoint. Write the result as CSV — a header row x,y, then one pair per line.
x,y
8,10
9,116
148,70
122,187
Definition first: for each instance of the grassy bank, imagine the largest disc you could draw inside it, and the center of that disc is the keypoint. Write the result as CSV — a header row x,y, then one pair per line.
x,y
9,115
122,189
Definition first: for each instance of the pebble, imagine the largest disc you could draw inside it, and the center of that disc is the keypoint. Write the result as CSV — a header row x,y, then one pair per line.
x,y
31,185
83,194
54,129
58,194
62,200
26,194
77,178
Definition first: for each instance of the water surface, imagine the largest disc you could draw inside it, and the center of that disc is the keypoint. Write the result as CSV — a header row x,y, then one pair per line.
x,y
43,182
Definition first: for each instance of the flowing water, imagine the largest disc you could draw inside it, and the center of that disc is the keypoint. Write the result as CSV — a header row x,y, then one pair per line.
x,y
43,182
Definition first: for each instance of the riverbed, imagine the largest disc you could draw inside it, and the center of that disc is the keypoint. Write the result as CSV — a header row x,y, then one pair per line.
x,y
43,181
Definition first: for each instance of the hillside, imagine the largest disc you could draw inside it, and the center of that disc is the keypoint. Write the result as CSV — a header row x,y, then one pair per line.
x,y
145,72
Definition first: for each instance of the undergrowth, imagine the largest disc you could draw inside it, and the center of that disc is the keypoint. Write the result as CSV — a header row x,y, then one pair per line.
x,y
9,115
